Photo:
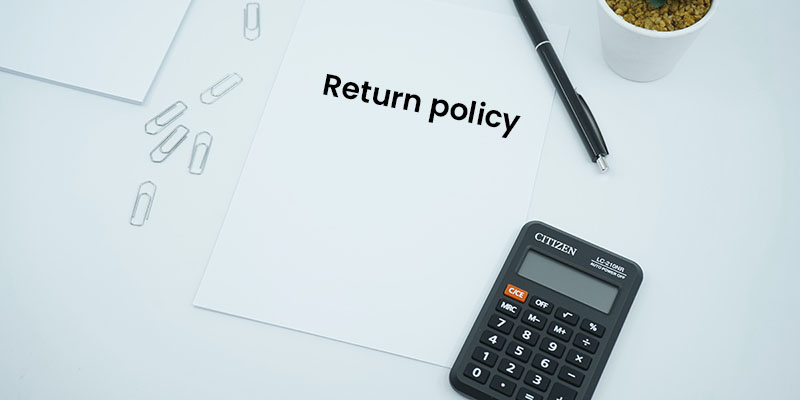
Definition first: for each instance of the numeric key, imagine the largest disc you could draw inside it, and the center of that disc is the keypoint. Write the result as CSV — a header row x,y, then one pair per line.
x,y
526,335
537,381
476,373
493,340
484,356
519,352
552,347
544,363
510,368
500,323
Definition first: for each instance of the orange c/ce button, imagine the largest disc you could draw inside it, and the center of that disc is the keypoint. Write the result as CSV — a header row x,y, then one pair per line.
x,y
516,293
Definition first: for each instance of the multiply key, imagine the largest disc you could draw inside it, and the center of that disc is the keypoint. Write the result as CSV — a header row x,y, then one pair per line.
x,y
579,360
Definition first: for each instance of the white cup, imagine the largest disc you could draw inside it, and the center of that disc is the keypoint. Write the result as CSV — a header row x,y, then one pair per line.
x,y
640,54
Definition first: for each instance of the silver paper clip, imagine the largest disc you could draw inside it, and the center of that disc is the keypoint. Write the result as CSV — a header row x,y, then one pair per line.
x,y
146,192
169,144
200,150
166,117
221,88
252,21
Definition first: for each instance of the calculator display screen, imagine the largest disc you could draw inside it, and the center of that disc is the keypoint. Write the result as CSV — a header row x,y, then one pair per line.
x,y
568,281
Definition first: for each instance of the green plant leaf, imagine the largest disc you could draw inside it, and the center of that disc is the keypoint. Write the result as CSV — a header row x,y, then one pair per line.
x,y
656,3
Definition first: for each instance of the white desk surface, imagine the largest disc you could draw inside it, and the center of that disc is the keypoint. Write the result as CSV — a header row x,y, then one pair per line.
x,y
703,193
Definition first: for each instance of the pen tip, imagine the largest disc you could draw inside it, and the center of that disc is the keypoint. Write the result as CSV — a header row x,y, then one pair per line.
x,y
601,162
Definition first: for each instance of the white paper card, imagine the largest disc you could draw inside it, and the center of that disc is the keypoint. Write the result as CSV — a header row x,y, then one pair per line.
x,y
369,224
113,48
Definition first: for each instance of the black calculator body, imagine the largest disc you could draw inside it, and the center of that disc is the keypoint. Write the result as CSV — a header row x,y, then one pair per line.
x,y
550,322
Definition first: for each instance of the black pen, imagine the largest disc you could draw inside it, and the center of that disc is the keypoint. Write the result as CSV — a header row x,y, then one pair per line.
x,y
578,109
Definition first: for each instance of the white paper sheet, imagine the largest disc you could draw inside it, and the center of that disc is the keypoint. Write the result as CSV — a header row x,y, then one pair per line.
x,y
113,48
368,224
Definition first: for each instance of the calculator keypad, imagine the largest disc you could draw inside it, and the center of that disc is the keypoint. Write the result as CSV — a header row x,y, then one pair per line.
x,y
535,350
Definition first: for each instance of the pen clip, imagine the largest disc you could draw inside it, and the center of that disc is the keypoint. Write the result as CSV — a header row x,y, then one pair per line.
x,y
596,128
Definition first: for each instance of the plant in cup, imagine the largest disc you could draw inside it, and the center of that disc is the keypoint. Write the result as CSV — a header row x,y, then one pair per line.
x,y
644,39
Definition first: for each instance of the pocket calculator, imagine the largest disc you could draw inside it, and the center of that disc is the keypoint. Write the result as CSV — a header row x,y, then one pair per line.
x,y
548,326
